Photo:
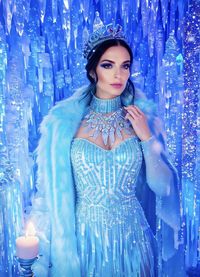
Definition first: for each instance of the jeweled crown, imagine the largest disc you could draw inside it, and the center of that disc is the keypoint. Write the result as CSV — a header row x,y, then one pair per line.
x,y
102,34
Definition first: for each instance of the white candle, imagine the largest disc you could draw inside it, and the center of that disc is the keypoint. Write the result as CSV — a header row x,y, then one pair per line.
x,y
27,247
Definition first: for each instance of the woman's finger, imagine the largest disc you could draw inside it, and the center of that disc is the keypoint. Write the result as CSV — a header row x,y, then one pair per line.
x,y
136,114
132,114
135,111
138,109
130,118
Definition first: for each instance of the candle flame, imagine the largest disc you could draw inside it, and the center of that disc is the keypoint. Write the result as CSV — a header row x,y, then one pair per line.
x,y
30,230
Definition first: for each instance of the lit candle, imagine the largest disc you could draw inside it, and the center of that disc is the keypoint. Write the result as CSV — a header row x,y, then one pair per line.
x,y
27,247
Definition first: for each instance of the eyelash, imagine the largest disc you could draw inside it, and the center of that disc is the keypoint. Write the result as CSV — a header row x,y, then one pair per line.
x,y
106,65
126,66
109,65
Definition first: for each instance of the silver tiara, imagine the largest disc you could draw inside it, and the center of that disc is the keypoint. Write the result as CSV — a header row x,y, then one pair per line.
x,y
102,34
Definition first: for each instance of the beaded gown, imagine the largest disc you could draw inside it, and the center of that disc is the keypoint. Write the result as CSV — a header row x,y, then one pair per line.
x,y
113,235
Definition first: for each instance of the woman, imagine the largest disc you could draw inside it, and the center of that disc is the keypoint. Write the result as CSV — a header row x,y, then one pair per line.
x,y
94,149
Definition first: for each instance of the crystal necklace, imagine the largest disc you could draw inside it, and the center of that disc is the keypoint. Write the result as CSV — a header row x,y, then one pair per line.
x,y
106,118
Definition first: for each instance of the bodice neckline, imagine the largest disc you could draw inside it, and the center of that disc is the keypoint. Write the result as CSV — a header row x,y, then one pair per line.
x,y
103,149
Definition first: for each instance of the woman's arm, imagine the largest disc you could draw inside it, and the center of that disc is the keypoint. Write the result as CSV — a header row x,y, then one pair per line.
x,y
158,173
161,176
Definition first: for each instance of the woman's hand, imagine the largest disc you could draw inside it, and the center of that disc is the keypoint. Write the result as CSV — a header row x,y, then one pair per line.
x,y
138,121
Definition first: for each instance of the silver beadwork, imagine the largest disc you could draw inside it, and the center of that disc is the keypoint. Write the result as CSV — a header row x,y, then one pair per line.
x,y
108,126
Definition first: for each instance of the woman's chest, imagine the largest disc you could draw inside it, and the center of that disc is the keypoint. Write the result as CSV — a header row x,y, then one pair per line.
x,y
90,159
105,174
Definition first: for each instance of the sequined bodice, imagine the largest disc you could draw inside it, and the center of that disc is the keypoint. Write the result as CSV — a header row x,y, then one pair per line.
x,y
105,180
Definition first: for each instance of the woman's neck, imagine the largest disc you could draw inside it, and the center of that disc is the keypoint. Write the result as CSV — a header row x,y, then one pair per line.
x,y
105,105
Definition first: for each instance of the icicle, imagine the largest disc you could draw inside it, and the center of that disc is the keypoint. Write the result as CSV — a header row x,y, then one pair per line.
x,y
106,244
152,26
125,12
65,17
8,13
114,9
26,4
181,12
54,10
66,4
106,10
28,96
10,217
42,9
3,61
26,50
21,12
85,6
172,17
133,7
159,45
145,16
164,7
40,79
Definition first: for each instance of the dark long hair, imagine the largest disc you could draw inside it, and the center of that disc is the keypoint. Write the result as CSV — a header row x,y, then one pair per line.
x,y
95,56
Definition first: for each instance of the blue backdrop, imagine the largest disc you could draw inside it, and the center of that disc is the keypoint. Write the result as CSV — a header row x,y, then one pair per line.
x,y
41,63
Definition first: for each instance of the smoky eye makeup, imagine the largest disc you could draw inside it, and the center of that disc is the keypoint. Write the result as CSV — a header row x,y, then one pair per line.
x,y
109,64
126,65
106,65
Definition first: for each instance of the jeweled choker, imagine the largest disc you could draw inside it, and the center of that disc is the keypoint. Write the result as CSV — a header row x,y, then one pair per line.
x,y
106,118
105,105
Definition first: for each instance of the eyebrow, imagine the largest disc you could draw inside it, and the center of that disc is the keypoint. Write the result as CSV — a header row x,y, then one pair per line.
x,y
128,61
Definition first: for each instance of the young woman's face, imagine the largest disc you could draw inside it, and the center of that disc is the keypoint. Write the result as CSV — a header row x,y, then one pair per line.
x,y
113,71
